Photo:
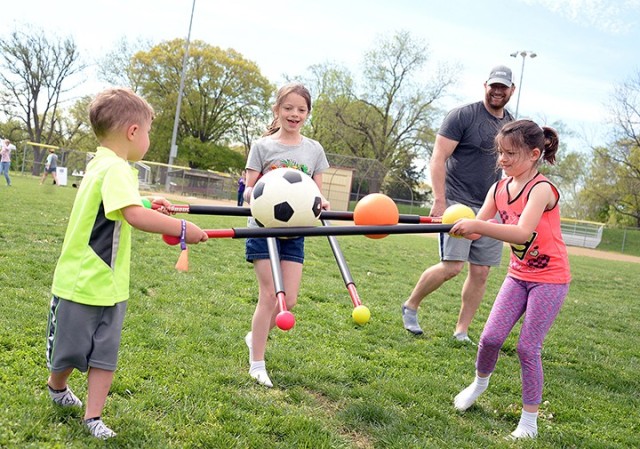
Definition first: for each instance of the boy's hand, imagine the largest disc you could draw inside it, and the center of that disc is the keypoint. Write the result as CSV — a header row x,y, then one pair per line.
x,y
195,234
161,205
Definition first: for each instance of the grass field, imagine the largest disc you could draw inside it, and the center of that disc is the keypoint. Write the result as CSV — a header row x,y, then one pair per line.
x,y
182,380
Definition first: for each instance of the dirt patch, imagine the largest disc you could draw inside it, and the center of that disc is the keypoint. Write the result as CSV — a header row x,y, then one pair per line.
x,y
573,250
579,251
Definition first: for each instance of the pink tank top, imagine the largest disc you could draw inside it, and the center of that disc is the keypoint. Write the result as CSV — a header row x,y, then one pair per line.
x,y
542,258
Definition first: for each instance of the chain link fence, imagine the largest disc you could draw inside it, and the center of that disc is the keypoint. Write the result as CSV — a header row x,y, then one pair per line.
x,y
369,176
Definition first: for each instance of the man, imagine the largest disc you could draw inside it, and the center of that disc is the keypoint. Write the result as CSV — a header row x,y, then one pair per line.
x,y
463,168
50,166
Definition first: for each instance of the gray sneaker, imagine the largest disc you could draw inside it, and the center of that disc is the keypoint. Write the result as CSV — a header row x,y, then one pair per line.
x,y
65,398
464,338
410,320
98,429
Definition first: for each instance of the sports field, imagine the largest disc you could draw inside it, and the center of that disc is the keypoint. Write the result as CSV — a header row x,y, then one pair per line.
x,y
182,380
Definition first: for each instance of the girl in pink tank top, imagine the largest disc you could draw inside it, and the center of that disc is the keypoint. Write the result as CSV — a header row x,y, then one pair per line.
x,y
538,278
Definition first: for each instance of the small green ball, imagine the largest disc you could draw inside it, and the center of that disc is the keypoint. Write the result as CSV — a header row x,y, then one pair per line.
x,y
146,203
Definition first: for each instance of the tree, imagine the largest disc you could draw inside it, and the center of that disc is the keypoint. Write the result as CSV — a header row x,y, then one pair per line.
x,y
390,118
37,70
208,155
116,67
568,173
224,94
74,129
613,189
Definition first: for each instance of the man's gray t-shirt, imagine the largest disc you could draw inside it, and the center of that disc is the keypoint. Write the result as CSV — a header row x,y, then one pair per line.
x,y
471,169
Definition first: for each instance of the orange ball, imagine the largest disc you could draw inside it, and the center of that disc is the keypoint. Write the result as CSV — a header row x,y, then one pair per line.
x,y
376,209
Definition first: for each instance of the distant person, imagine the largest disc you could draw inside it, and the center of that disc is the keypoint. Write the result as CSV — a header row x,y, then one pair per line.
x,y
463,168
91,280
282,145
50,166
241,187
538,277
5,159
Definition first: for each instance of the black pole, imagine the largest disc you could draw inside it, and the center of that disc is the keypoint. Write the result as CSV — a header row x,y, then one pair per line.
x,y
243,233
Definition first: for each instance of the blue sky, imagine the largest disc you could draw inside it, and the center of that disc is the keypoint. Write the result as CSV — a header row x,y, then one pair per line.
x,y
585,47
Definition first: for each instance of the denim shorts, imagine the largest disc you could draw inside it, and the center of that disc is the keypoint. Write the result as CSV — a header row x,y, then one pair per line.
x,y
289,249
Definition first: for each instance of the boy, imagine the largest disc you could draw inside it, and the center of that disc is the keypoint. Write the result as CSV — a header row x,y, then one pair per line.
x,y
91,280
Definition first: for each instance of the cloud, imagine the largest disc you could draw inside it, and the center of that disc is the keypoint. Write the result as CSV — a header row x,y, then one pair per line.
x,y
617,17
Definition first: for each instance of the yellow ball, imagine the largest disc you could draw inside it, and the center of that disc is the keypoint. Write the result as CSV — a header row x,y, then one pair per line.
x,y
361,314
455,212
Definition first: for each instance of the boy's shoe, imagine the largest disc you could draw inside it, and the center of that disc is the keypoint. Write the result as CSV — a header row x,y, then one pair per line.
x,y
98,429
410,320
65,398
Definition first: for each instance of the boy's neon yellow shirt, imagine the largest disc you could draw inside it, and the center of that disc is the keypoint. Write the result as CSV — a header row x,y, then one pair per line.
x,y
95,261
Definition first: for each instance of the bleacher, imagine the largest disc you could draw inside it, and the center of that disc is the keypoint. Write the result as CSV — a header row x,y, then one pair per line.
x,y
587,234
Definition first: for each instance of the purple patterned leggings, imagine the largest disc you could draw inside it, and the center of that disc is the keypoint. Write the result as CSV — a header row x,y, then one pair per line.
x,y
540,304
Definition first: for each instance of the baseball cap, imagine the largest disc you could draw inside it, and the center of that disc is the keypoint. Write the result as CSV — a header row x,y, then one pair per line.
x,y
500,74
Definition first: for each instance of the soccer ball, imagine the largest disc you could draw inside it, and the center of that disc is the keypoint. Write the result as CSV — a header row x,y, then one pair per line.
x,y
286,197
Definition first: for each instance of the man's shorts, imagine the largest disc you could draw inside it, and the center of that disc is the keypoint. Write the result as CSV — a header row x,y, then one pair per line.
x,y
485,251
289,249
81,336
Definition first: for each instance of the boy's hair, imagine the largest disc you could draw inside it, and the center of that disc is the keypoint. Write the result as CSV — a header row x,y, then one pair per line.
x,y
116,108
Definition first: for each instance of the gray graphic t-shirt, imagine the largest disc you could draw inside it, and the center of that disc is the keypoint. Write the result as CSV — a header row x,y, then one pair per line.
x,y
471,169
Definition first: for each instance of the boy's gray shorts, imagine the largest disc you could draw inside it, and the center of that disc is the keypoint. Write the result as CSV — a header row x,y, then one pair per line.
x,y
81,336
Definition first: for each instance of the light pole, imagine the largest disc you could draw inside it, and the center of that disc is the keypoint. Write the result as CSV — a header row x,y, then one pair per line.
x,y
173,151
524,55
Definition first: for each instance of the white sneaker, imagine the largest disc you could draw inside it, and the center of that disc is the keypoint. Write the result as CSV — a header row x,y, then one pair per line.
x,y
65,398
99,430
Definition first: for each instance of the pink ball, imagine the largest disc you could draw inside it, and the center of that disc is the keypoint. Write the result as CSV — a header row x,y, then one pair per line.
x,y
285,320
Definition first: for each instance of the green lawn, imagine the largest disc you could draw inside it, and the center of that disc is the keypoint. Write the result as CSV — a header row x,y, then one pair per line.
x,y
182,380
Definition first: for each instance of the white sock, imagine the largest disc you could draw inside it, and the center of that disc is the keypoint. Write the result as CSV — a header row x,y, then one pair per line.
x,y
528,425
258,371
468,396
